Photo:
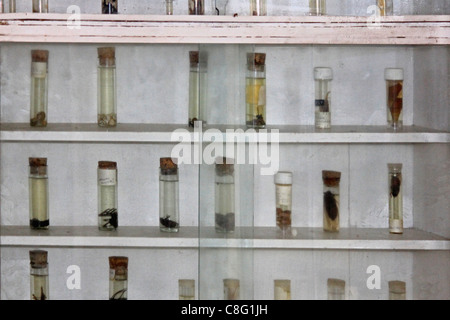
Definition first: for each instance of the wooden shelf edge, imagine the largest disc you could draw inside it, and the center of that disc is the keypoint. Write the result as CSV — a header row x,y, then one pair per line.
x,y
188,238
347,30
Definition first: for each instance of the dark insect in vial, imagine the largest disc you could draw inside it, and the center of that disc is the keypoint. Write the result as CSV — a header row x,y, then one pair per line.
x,y
119,295
258,121
36,224
330,205
192,122
43,296
323,105
196,7
395,186
113,220
226,222
166,222
109,6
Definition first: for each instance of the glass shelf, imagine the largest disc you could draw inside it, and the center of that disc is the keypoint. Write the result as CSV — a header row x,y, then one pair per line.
x,y
148,133
250,238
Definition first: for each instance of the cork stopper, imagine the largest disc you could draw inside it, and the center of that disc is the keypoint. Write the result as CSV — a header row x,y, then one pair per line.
x,y
37,162
397,287
119,264
284,284
256,61
39,55
336,286
38,258
108,165
231,283
336,282
331,178
168,166
194,58
107,56
38,166
224,166
186,283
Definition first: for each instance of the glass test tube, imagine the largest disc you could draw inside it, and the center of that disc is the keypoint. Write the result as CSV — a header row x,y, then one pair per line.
x,y
255,91
317,7
395,198
331,200
323,77
38,193
40,6
107,195
107,95
118,278
394,99
110,6
39,88
283,198
224,196
169,216
258,8
39,282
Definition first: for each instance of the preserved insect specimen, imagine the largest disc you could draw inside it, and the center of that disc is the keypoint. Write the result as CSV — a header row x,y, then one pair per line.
x,y
110,6
255,90
39,284
224,196
118,278
168,196
394,84
331,181
395,198
107,195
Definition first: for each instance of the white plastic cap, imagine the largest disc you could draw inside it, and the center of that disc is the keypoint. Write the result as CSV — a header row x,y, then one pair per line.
x,y
395,167
393,74
283,177
323,73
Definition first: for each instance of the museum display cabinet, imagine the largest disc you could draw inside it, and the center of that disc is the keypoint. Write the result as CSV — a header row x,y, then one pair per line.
x,y
310,97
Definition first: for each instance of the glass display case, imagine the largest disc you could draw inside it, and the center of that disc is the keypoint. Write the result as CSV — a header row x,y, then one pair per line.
x,y
152,105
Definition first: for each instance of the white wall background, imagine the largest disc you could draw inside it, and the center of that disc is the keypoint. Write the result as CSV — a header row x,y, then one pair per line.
x,y
152,88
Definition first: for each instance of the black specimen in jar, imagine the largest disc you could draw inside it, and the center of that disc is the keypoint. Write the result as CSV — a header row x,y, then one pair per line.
x,y
330,205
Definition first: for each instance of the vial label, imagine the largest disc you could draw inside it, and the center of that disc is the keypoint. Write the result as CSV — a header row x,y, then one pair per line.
x,y
320,102
323,120
39,69
283,194
107,177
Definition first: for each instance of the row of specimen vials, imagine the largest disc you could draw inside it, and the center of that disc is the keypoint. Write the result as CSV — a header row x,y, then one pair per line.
x,y
107,185
169,217
255,91
197,7
331,199
38,6
118,283
107,114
